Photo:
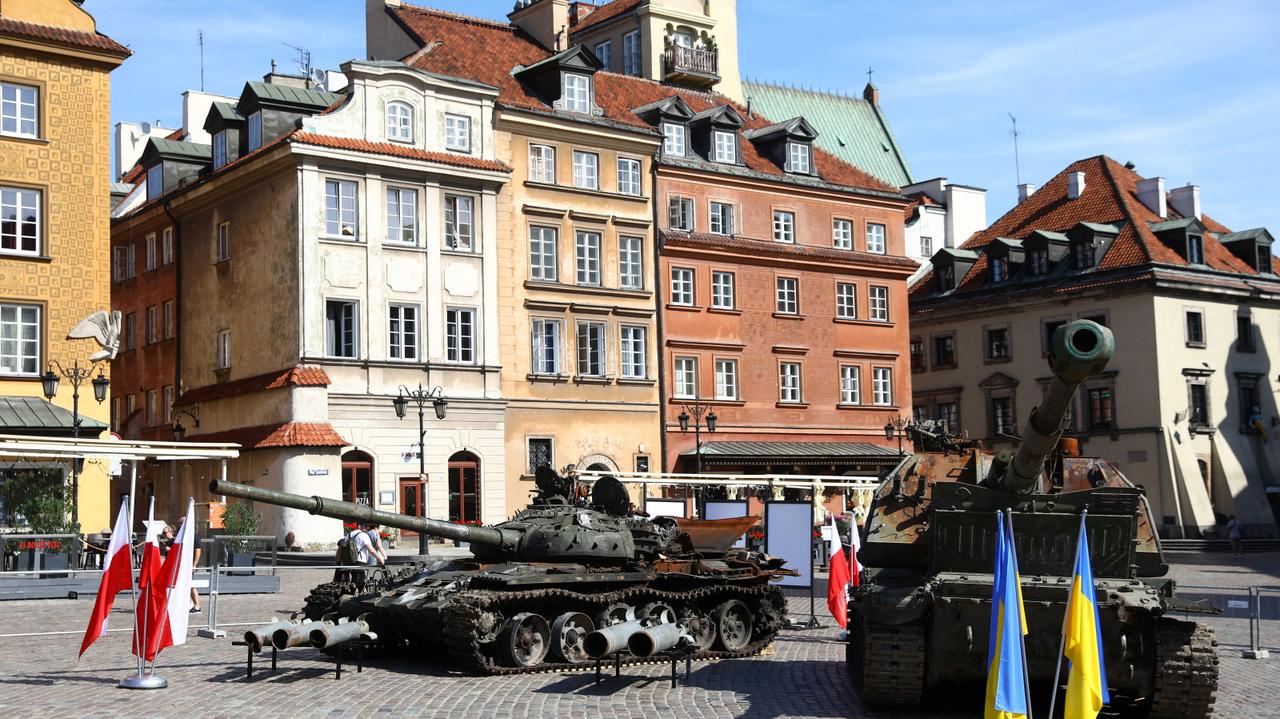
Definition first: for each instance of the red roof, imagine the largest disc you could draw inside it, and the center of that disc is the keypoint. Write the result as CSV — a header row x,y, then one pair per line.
x,y
917,200
390,148
605,12
291,377
63,36
486,51
267,436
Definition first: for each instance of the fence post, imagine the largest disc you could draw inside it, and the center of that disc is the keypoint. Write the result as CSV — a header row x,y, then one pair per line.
x,y
1255,650
212,631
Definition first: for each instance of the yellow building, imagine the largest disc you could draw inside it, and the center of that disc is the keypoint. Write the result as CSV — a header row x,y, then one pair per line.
x,y
55,101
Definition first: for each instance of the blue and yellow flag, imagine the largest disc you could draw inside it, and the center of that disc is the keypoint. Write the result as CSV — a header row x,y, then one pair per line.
x,y
1006,664
1087,673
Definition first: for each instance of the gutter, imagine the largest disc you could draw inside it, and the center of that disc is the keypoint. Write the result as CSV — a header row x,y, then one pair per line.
x,y
177,299
657,307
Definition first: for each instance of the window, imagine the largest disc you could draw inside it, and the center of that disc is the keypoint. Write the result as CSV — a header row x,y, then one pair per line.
x,y
222,353
402,326
1199,404
944,351
842,234
875,238
1001,416
1098,318
1050,327
634,352
850,384
539,452
997,343
587,254
946,277
1264,259
576,94
789,382
166,246
546,346
151,251
999,269
682,286
19,339
459,232
1195,328
1195,250
542,164
722,295
167,399
628,176
402,215
879,303
784,226
130,331
788,296
20,221
723,147
155,180
680,214
1244,334
604,53
222,243
846,301
586,170
170,328
129,406
926,247
727,379
542,253
457,132
685,373
219,149
19,110
919,413
150,414
631,262
642,463
340,214
1082,253
1039,261
631,53
341,336
949,413
1101,409
720,220
591,349
255,131
673,139
460,335
798,157
917,355
153,324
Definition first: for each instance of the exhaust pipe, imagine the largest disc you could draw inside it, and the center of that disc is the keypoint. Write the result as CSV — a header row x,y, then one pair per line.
x,y
654,639
334,634
606,641
295,635
259,637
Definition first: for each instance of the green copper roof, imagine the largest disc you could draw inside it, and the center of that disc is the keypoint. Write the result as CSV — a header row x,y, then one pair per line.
x,y
850,128
288,95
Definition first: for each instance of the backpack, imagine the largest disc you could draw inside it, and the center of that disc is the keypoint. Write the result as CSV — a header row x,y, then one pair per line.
x,y
346,554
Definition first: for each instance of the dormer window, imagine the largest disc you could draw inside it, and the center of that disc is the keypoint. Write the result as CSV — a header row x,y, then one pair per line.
x,y
155,180
999,269
1264,259
1040,262
576,92
219,149
255,131
798,158
1195,249
946,278
399,122
457,132
724,147
1083,255
674,139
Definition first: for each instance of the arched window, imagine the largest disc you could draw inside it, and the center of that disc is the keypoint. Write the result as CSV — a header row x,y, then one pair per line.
x,y
357,477
399,122
464,487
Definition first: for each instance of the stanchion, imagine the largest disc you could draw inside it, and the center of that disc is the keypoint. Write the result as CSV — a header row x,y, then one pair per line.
x,y
1255,650
212,631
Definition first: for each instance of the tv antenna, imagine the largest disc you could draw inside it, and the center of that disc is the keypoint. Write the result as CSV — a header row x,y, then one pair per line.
x,y
304,59
200,40
1017,166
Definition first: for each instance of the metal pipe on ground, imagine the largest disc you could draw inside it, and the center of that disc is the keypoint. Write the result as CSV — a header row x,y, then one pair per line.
x,y
260,636
609,640
654,639
334,634
294,636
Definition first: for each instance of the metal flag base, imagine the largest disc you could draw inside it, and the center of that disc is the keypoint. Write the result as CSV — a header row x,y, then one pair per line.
x,y
144,681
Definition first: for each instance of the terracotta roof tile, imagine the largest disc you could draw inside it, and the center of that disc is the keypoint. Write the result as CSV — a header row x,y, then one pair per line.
x,y
267,436
291,377
63,36
605,12
392,149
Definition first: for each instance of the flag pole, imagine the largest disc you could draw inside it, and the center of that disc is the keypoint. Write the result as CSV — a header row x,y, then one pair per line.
x,y
1062,641
139,680
1022,616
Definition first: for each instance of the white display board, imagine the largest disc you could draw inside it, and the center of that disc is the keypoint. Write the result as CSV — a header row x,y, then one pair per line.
x,y
788,533
665,507
728,509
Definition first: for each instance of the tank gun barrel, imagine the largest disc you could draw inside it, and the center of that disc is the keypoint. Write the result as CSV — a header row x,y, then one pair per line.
x,y
1078,351
482,536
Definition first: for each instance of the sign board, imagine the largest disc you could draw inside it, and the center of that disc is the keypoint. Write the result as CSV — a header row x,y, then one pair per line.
x,y
317,473
1237,604
726,509
1273,490
665,507
409,454
387,497
788,533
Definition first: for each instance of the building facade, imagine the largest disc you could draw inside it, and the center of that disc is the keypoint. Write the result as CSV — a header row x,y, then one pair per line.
x,y
1186,408
55,97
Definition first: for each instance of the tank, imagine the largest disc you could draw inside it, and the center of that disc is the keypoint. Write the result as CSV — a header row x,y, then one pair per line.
x,y
540,583
919,622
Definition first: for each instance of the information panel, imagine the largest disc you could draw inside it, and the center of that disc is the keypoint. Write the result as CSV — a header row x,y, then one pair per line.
x,y
727,509
788,533
665,507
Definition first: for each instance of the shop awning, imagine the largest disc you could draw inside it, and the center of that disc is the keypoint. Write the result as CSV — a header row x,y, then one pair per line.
x,y
35,416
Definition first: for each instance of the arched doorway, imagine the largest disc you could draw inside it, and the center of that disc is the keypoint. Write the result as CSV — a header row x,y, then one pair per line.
x,y
464,487
357,477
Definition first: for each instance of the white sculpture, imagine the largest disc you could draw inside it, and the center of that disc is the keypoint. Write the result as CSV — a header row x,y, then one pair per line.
x,y
102,327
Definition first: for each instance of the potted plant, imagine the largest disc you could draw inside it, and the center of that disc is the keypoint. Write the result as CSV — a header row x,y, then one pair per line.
x,y
240,520
40,497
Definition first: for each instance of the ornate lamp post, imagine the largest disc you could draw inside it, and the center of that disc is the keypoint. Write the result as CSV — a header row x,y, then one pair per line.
x,y
896,425
76,375
421,397
697,410
179,432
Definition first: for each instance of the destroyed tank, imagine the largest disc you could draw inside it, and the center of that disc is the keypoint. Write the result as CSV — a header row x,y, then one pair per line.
x,y
571,577
919,621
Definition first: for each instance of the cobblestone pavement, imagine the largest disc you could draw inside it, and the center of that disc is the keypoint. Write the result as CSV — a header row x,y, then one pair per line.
x,y
803,677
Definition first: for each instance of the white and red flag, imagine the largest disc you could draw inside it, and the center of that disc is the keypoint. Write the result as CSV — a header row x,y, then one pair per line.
x,y
117,576
837,594
174,586
151,593
855,544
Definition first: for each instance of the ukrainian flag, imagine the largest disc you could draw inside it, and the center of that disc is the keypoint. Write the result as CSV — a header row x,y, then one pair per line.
x,y
1006,664
1087,672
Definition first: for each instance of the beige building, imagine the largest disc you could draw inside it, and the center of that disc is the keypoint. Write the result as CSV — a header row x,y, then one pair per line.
x,y
55,101
1187,408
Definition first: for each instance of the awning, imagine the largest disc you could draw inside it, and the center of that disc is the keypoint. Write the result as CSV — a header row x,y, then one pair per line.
x,y
35,416
803,453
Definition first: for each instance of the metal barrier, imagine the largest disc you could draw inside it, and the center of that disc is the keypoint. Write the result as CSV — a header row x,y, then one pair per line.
x,y
1256,650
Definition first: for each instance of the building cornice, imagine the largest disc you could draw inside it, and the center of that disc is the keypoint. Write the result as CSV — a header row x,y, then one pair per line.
x,y
805,186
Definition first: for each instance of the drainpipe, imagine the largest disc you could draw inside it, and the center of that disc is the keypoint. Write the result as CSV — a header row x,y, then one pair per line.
x,y
177,336
657,306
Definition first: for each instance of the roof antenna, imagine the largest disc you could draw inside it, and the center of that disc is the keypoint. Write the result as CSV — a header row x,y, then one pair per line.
x,y
200,40
1017,166
304,58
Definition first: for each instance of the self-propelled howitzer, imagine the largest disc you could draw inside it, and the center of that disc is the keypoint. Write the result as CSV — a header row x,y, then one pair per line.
x,y
919,622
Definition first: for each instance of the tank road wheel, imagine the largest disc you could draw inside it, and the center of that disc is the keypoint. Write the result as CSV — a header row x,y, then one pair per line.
x,y
734,620
567,632
699,626
1186,678
615,613
489,625
657,613
525,640
891,665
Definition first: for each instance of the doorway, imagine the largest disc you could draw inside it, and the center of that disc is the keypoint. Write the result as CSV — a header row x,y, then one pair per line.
x,y
357,477
464,488
413,500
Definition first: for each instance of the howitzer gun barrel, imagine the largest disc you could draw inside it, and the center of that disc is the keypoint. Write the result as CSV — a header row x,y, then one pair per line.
x,y
1078,351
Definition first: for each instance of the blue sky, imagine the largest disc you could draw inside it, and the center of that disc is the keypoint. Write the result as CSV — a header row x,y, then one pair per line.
x,y
1184,89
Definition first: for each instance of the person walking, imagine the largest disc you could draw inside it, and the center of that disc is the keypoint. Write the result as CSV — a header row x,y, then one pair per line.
x,y
1235,532
368,551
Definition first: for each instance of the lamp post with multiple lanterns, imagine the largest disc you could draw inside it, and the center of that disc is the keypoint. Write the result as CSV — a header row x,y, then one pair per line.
x,y
898,426
76,375
421,397
698,413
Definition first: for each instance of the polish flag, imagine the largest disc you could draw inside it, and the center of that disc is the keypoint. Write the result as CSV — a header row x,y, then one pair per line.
x,y
855,543
117,576
174,582
149,607
837,594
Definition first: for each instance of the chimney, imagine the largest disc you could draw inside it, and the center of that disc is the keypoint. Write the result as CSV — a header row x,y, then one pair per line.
x,y
871,94
1151,193
579,10
547,21
1186,200
1025,190
1075,185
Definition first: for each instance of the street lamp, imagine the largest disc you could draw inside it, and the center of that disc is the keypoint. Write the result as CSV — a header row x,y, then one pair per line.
x,y
76,375
178,430
421,397
698,410
896,425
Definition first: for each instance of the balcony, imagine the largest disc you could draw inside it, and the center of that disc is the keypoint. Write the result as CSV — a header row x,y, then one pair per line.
x,y
691,66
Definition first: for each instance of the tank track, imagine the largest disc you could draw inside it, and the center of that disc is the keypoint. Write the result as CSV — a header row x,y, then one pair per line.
x,y
886,663
324,598
463,613
1186,678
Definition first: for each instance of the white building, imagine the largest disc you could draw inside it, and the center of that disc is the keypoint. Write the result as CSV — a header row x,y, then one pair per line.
x,y
942,215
